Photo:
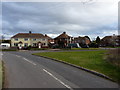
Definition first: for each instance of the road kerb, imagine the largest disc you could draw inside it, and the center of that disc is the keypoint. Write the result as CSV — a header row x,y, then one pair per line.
x,y
1,74
79,67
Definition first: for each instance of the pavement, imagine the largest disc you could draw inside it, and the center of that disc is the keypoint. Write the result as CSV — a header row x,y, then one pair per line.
x,y
24,70
1,73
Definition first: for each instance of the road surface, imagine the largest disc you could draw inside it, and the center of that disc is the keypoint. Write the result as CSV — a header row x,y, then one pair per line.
x,y
24,70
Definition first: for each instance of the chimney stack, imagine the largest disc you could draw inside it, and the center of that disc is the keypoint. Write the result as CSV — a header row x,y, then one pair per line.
x,y
45,35
64,32
30,32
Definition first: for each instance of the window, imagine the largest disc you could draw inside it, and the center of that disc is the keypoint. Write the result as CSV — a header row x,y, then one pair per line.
x,y
16,39
43,39
43,43
34,44
26,39
4,46
34,39
15,44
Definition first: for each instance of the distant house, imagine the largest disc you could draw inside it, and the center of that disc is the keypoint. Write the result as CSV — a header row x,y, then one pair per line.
x,y
63,39
82,40
50,40
29,39
110,41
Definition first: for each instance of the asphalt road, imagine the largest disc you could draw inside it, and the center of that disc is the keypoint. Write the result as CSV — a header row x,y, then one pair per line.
x,y
24,70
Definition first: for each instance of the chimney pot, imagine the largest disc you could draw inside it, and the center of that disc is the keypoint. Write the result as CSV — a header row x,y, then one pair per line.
x,y
64,32
30,32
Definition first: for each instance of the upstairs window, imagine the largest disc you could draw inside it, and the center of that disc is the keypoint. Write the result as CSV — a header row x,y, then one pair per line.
x,y
43,39
34,39
16,39
26,39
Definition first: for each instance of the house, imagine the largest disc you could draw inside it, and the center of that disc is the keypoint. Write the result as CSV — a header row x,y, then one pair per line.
x,y
110,41
29,39
50,40
82,40
63,39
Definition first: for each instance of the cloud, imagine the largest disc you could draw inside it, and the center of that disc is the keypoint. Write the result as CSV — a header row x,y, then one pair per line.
x,y
53,18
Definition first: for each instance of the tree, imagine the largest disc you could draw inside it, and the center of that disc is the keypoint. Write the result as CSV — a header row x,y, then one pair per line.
x,y
98,40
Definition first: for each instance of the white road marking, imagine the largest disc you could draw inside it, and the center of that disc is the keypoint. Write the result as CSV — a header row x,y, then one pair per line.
x,y
17,56
57,79
29,61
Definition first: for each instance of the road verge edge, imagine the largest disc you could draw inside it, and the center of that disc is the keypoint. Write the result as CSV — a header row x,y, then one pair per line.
x,y
79,67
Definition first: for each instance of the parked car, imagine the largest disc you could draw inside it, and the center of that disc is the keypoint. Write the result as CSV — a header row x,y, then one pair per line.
x,y
25,48
74,45
85,46
5,45
55,46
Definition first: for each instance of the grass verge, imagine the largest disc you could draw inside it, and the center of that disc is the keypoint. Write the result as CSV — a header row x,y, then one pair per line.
x,y
93,60
85,48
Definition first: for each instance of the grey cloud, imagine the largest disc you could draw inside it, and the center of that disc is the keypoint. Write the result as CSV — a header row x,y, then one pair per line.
x,y
54,18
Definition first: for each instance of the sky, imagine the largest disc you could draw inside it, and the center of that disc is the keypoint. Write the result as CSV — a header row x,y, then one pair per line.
x,y
52,18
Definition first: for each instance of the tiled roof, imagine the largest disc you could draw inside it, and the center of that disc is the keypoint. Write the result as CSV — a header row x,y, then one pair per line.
x,y
109,37
80,38
63,35
47,36
28,35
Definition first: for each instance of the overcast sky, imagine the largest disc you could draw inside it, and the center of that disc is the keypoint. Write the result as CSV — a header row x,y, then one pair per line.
x,y
76,19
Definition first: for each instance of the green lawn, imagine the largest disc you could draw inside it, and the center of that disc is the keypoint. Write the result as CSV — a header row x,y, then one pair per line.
x,y
85,48
93,60
0,74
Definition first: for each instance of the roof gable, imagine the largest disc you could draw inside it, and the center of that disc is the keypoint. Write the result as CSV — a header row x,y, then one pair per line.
x,y
63,35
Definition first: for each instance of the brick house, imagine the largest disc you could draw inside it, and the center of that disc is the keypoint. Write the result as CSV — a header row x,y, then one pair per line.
x,y
110,41
50,40
29,39
63,39
82,40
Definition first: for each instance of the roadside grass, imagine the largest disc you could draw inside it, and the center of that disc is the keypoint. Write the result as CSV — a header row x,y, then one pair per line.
x,y
93,60
85,48
0,74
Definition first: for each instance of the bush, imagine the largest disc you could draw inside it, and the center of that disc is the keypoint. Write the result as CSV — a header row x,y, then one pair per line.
x,y
93,45
113,56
